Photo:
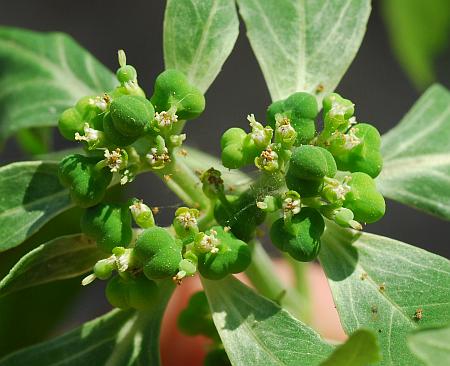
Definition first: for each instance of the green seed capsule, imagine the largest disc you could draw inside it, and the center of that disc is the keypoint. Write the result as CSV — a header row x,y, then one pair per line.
x,y
364,200
233,156
134,292
196,318
232,136
70,122
131,114
366,156
312,163
109,225
300,109
172,89
87,184
158,252
301,237
126,73
113,135
233,256
306,188
103,269
302,105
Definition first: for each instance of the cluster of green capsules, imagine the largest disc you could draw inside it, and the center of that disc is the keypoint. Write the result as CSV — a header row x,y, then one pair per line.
x,y
123,133
306,175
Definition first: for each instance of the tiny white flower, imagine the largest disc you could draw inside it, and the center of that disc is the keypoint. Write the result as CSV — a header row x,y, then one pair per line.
x,y
208,243
90,135
165,118
291,206
114,159
351,140
157,159
99,102
187,219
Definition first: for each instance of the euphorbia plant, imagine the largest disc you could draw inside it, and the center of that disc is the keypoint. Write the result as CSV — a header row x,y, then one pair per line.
x,y
315,191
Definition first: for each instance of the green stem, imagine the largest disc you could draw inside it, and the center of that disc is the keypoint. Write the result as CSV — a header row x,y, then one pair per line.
x,y
301,285
184,183
263,276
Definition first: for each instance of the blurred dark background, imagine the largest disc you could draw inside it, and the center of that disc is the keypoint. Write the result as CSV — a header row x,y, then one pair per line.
x,y
375,82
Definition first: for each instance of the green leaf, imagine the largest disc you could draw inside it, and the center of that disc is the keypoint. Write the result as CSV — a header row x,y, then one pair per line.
x,y
304,45
41,74
361,349
432,346
35,141
416,155
255,331
64,257
382,284
118,338
198,37
418,31
30,196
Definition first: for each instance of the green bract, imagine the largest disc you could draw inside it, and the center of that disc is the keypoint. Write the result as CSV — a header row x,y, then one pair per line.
x,y
300,109
366,156
87,184
158,252
300,237
131,114
196,318
363,199
172,90
312,163
132,292
233,256
109,225
241,214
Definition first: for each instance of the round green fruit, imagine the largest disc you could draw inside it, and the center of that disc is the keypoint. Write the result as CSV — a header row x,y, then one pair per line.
x,y
109,225
131,114
172,89
312,163
234,256
365,157
86,183
301,236
158,252
133,292
363,199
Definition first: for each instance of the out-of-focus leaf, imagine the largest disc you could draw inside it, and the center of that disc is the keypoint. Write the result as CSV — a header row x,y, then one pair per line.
x,y
416,155
117,338
30,195
61,258
198,37
432,346
41,74
419,30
